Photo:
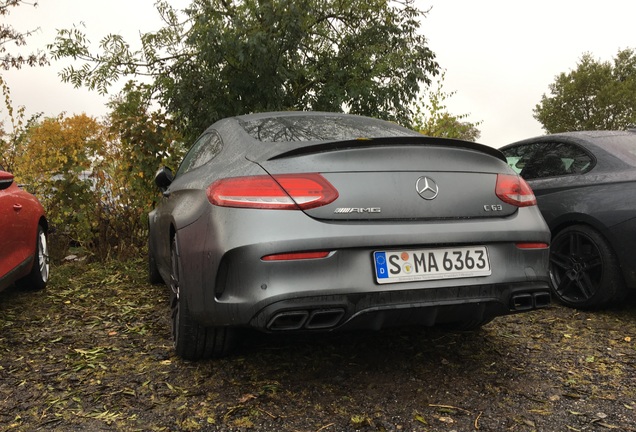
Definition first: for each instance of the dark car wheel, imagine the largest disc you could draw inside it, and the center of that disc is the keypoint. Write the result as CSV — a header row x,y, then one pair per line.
x,y
39,276
191,340
583,269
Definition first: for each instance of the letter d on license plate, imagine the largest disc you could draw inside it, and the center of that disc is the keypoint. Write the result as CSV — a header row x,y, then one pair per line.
x,y
431,264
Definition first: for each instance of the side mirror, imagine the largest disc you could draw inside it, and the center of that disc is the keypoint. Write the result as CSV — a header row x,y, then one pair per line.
x,y
163,178
6,180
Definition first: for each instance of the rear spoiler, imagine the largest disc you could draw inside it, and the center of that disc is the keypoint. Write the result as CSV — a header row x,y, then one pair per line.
x,y
312,148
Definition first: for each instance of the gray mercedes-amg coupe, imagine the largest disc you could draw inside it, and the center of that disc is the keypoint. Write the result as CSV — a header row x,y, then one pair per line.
x,y
306,221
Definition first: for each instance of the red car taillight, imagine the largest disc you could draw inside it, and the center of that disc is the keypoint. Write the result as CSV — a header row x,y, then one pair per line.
x,y
514,190
293,256
532,245
282,192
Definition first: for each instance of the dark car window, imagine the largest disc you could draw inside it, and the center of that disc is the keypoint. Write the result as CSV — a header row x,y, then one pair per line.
x,y
548,159
203,151
320,128
518,156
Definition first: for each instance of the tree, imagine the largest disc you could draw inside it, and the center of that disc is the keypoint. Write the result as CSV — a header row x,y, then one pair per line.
x,y
594,96
433,119
56,161
10,139
141,141
227,57
9,35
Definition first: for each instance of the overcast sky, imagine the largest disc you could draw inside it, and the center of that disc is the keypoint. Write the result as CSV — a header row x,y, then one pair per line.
x,y
499,55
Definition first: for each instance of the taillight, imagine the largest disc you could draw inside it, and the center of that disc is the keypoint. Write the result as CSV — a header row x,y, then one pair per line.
x,y
532,245
292,256
514,190
282,192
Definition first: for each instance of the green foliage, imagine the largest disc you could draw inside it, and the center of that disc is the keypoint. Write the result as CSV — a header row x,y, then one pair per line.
x,y
594,96
141,141
433,119
233,57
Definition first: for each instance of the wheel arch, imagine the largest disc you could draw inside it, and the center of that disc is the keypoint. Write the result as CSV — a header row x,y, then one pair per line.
x,y
44,223
562,222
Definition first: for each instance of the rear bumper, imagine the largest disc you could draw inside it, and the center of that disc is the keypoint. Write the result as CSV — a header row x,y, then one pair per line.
x,y
413,307
226,283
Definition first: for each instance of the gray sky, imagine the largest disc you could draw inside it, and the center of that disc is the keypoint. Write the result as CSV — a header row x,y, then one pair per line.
x,y
499,55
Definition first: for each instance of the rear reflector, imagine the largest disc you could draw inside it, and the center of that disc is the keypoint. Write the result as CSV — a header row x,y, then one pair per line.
x,y
514,190
532,245
296,256
282,192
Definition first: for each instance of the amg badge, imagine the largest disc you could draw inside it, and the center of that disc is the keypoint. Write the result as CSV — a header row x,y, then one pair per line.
x,y
358,210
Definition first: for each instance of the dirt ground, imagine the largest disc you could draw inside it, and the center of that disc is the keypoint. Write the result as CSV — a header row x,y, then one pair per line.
x,y
93,353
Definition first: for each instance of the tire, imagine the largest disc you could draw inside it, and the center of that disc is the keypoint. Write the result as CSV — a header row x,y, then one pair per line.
x,y
584,271
37,279
193,341
154,277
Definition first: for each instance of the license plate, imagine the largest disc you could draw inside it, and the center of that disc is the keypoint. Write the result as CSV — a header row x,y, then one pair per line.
x,y
431,264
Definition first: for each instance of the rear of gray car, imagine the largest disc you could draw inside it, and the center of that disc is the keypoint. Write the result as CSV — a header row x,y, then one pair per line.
x,y
347,234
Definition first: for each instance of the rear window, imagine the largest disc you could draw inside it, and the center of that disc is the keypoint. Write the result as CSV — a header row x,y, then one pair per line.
x,y
321,128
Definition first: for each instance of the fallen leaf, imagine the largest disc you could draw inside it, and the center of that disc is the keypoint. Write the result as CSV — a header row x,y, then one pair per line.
x,y
419,418
247,397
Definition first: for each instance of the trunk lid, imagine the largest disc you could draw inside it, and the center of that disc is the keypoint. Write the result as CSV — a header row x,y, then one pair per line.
x,y
398,179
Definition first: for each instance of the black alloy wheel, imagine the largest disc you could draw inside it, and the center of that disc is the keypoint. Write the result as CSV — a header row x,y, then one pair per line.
x,y
175,293
584,271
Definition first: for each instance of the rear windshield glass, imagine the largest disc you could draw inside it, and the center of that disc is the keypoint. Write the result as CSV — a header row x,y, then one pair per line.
x,y
321,128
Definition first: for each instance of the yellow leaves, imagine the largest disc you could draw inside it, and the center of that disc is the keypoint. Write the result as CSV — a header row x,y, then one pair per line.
x,y
359,421
61,144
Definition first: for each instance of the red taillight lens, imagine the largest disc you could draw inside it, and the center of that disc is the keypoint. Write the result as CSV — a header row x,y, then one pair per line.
x,y
532,245
296,256
283,192
514,190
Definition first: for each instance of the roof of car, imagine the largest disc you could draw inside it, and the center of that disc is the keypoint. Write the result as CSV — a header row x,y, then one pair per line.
x,y
595,136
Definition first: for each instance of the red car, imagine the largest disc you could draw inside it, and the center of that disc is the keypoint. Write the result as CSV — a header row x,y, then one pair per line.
x,y
24,255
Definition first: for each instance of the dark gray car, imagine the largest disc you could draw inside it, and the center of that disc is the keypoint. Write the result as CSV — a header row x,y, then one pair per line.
x,y
288,222
585,183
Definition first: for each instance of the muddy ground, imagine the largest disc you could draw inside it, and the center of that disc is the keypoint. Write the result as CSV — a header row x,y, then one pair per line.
x,y
93,353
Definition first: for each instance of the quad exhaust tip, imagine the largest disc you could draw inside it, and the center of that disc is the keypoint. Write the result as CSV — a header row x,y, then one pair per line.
x,y
529,301
320,319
